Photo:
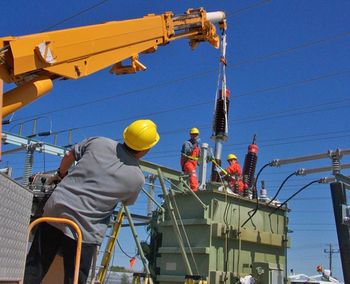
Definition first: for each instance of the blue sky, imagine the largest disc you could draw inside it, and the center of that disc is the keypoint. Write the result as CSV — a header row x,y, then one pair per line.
x,y
288,68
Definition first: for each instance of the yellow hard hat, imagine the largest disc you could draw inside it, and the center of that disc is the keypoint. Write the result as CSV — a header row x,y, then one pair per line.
x,y
194,130
141,135
231,157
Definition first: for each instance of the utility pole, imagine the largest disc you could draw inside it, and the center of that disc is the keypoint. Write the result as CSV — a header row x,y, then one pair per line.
x,y
330,251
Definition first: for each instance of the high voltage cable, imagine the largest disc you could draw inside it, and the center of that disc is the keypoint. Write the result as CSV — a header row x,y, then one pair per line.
x,y
292,112
272,139
75,15
328,39
234,13
244,9
129,118
295,83
263,90
268,145
249,61
279,114
241,121
123,94
292,49
291,137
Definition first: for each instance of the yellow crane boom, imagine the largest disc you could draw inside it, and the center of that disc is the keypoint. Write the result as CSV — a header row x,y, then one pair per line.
x,y
32,62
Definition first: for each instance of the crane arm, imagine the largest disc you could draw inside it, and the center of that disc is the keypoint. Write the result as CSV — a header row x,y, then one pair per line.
x,y
33,61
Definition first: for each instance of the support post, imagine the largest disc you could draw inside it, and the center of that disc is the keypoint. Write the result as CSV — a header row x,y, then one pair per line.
x,y
137,241
28,164
151,179
338,193
203,166
330,252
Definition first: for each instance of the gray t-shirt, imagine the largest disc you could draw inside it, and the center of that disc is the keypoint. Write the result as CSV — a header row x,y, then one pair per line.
x,y
105,174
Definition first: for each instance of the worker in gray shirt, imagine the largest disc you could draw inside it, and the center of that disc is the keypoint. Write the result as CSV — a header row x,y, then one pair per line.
x,y
106,172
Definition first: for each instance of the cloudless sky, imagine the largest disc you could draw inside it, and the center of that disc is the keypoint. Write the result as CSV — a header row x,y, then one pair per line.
x,y
288,73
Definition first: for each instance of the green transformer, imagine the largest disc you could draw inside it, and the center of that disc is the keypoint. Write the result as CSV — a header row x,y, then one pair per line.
x,y
217,247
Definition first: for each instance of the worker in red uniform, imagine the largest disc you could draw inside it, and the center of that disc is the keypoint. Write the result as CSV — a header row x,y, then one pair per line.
x,y
234,174
190,153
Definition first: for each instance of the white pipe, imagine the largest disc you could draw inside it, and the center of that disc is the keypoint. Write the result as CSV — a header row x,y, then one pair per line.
x,y
216,17
203,167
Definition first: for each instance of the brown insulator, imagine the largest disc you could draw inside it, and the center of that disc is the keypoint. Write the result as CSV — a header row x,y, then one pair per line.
x,y
249,167
219,127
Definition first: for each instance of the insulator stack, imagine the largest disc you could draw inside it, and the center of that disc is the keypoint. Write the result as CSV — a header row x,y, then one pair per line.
x,y
336,165
249,167
221,114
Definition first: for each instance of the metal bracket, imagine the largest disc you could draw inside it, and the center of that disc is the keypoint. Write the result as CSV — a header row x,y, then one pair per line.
x,y
346,214
344,179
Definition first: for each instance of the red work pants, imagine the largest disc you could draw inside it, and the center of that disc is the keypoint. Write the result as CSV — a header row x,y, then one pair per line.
x,y
190,169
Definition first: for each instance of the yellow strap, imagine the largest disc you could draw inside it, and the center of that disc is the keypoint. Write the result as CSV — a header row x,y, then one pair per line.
x,y
190,157
220,168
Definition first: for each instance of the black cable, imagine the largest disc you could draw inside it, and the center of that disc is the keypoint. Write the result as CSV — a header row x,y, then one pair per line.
x,y
257,198
292,49
75,15
127,93
296,193
291,112
123,250
209,71
244,9
279,189
243,144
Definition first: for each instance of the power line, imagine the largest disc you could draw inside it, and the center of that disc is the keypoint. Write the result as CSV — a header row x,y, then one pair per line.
x,y
293,49
206,72
122,94
292,137
74,15
330,253
295,83
250,7
151,155
104,1
255,118
261,143
294,111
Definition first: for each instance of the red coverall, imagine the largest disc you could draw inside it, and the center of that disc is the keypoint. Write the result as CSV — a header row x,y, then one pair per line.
x,y
235,177
189,165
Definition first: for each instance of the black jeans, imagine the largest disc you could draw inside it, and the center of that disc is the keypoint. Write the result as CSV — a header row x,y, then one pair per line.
x,y
47,242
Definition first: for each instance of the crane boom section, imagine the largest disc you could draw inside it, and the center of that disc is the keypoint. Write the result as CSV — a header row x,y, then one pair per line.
x,y
78,52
